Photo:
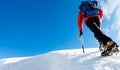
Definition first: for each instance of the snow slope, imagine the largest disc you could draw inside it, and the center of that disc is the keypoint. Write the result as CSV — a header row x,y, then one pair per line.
x,y
64,60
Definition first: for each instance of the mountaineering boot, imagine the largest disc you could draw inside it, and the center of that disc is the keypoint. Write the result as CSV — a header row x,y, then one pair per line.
x,y
110,48
116,49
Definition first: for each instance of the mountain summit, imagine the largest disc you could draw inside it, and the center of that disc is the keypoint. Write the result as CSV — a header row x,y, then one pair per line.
x,y
73,59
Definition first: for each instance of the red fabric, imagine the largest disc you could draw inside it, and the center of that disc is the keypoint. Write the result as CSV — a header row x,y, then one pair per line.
x,y
81,17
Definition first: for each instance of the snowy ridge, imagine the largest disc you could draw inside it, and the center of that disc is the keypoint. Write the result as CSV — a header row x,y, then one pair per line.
x,y
64,60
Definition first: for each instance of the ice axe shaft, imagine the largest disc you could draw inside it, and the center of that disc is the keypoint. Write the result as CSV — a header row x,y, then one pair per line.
x,y
81,39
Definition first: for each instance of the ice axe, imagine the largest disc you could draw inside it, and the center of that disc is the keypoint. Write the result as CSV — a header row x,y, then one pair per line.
x,y
81,39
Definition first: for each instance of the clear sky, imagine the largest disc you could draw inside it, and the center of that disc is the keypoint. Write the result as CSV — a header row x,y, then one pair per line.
x,y
32,27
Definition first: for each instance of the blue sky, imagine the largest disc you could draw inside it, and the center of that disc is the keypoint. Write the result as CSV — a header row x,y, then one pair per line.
x,y
32,27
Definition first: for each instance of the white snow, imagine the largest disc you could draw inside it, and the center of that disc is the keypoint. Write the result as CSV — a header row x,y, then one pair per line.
x,y
73,59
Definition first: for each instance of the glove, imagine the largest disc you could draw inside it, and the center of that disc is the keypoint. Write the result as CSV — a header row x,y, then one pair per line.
x,y
81,33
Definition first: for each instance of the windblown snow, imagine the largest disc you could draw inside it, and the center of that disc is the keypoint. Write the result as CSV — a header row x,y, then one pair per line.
x,y
73,59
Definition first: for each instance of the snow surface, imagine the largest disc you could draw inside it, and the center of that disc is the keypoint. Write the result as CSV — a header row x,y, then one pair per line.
x,y
73,59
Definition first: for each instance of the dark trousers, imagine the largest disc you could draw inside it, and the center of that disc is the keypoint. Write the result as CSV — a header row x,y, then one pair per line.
x,y
94,24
